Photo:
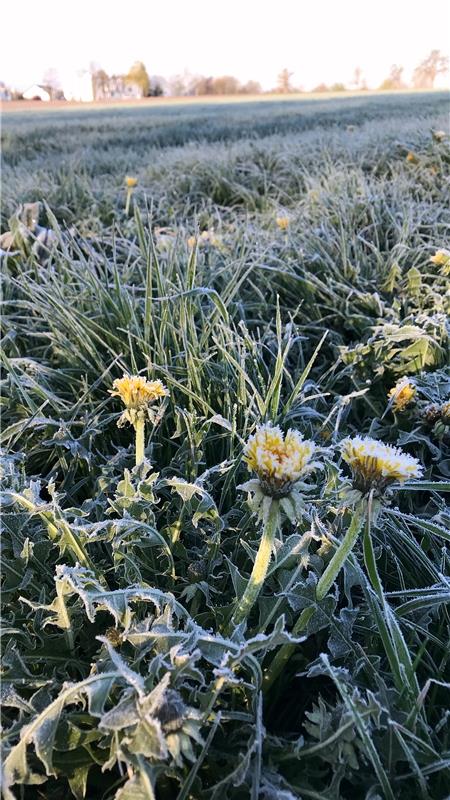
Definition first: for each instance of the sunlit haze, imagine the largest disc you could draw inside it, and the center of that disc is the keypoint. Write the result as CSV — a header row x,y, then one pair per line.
x,y
323,41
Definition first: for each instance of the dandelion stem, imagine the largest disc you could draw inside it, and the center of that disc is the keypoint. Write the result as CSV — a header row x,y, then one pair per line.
x,y
346,546
128,201
369,555
140,440
260,567
326,581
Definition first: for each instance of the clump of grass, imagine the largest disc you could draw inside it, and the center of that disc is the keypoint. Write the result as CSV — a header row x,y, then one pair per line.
x,y
164,636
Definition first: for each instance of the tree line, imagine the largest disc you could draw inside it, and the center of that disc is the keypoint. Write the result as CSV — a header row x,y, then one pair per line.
x,y
186,84
138,83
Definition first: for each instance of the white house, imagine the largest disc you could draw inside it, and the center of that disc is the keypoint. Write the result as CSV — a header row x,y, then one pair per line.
x,y
37,92
116,87
78,86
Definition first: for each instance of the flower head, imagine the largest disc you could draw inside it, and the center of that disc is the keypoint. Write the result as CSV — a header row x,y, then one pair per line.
x,y
283,223
445,412
441,258
278,461
130,182
434,414
439,136
431,413
402,394
137,395
412,158
376,465
206,239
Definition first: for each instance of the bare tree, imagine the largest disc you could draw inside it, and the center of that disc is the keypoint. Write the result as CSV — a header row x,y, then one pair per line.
x,y
357,78
100,83
284,85
52,82
226,84
427,71
183,84
394,81
251,87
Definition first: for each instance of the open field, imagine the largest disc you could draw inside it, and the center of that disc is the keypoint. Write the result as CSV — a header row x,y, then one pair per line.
x,y
148,103
274,265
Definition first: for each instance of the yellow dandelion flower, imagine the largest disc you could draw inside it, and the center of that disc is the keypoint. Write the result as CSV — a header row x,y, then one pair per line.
x,y
278,461
130,182
137,395
206,239
412,158
441,258
402,394
209,238
283,223
376,465
136,392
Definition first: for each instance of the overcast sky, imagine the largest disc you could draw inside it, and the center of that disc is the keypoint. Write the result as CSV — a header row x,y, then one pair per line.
x,y
318,40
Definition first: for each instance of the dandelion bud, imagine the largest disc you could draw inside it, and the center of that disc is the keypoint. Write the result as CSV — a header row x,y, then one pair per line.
x,y
431,413
402,394
445,413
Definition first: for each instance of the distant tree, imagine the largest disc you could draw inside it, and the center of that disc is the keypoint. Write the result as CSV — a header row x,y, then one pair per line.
x,y
284,85
427,71
322,87
394,80
338,87
176,85
182,85
251,87
100,83
357,77
139,75
52,82
157,86
359,82
225,84
203,86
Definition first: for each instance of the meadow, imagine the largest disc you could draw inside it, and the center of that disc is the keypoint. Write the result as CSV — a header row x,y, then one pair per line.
x,y
275,263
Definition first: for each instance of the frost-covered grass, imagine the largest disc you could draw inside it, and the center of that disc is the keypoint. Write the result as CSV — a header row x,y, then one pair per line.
x,y
123,677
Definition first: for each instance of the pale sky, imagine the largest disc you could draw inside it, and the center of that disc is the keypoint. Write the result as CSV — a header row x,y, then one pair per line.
x,y
318,40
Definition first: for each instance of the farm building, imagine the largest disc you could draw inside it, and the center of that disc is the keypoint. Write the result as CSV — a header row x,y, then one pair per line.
x,y
78,86
115,87
37,92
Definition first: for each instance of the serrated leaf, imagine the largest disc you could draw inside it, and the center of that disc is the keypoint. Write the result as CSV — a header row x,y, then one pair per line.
x,y
148,740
